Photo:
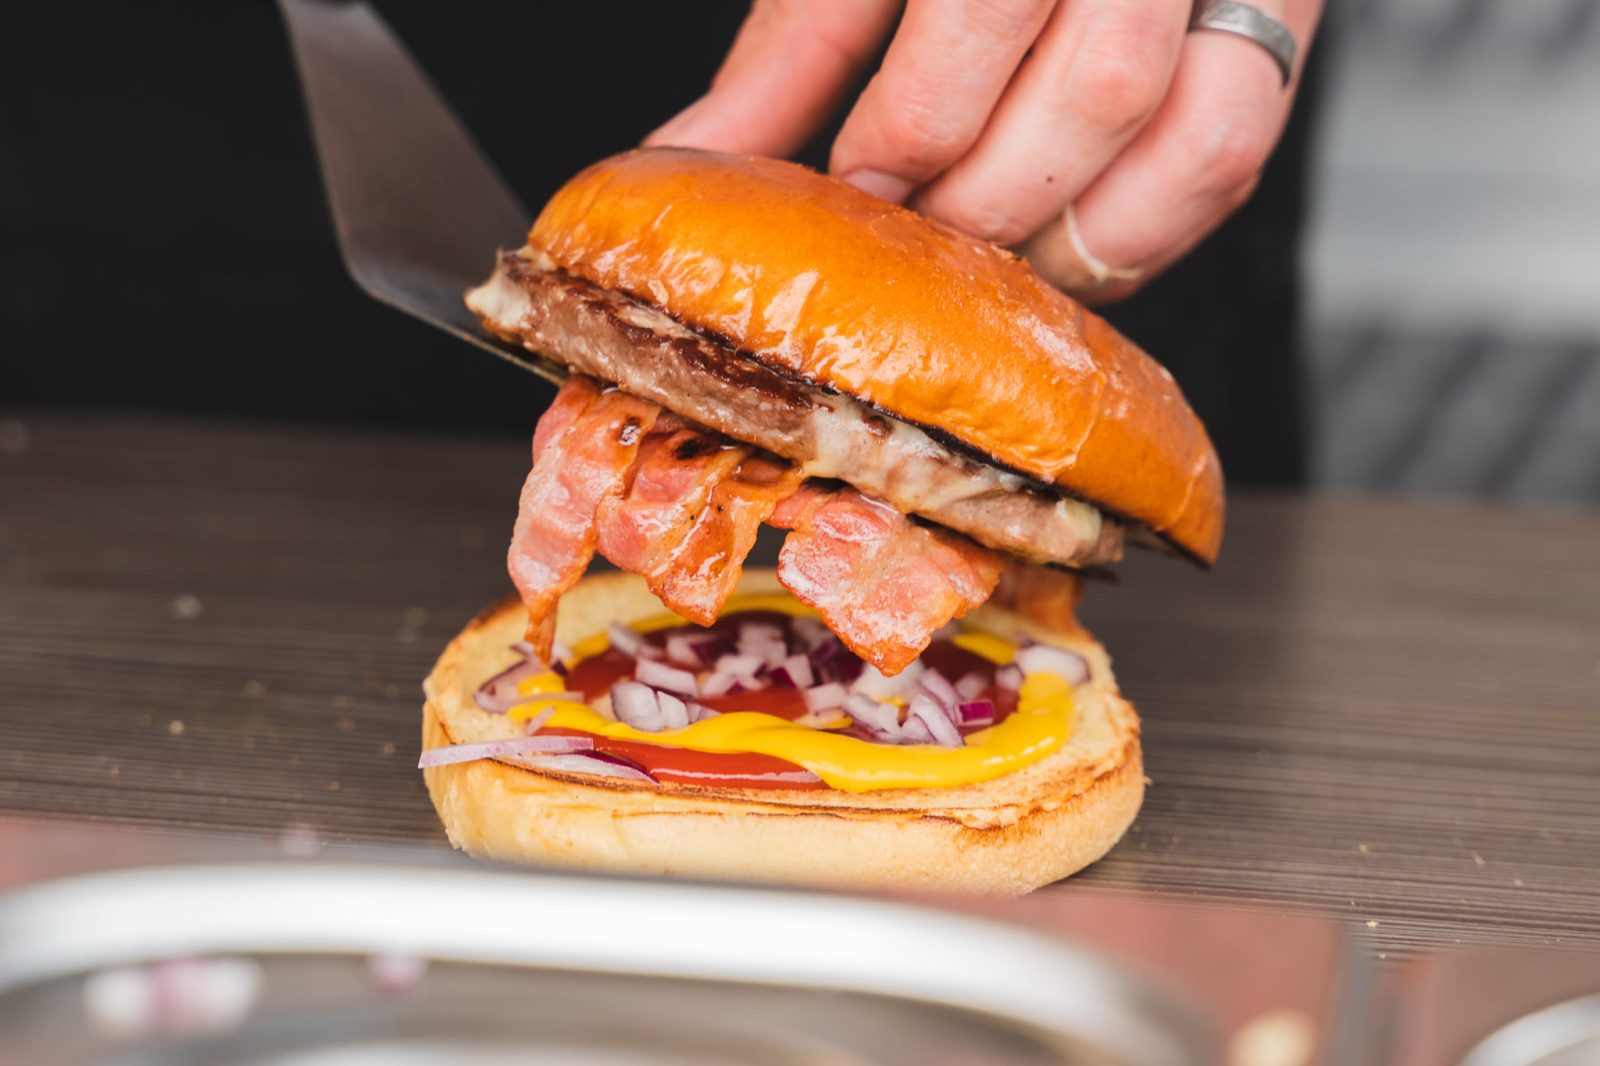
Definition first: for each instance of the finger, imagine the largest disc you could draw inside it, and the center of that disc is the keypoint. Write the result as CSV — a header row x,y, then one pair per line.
x,y
1196,162
947,66
1097,74
789,65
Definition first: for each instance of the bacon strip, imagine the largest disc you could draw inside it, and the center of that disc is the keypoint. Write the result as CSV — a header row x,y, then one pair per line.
x,y
644,531
705,568
881,582
584,448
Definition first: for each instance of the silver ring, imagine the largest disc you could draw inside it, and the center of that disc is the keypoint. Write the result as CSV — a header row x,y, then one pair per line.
x,y
1251,23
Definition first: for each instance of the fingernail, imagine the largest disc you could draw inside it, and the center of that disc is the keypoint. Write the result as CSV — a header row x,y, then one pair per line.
x,y
883,186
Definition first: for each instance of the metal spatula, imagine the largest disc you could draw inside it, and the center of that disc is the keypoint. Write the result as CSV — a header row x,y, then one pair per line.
x,y
418,208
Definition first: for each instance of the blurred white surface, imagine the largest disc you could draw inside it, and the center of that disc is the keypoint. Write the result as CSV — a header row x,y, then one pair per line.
x,y
1452,260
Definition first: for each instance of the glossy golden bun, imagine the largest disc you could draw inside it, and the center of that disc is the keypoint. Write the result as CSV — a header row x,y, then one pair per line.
x,y
815,277
1006,836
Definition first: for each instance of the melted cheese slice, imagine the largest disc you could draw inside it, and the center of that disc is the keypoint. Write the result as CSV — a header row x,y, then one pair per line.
x,y
1041,724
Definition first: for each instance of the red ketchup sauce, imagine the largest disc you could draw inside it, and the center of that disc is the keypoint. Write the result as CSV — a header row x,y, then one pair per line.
x,y
594,677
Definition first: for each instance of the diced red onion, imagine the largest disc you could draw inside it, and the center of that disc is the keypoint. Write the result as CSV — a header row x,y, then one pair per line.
x,y
745,665
825,651
499,694
882,720
598,763
762,631
845,668
795,671
699,712
522,648
693,649
515,746
764,642
975,712
536,723
1046,658
720,683
936,685
660,675
1009,677
636,705
560,656
926,710
971,685
624,639
825,697
811,633
674,712
875,684
914,731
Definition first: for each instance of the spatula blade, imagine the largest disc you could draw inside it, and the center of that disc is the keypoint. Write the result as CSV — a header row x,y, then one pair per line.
x,y
418,209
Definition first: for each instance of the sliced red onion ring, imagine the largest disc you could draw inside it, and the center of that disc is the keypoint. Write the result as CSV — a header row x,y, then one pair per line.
x,y
975,713
1009,677
1045,658
491,749
875,684
660,675
971,685
598,763
825,697
926,710
795,671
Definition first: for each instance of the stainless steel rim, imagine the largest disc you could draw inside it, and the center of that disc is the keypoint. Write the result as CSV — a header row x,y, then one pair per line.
x,y
657,929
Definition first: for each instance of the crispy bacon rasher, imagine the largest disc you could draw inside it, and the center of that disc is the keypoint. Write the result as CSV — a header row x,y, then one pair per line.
x,y
882,582
583,450
681,507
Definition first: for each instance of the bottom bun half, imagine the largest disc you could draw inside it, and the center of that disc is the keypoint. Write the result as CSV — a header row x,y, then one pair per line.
x,y
1006,836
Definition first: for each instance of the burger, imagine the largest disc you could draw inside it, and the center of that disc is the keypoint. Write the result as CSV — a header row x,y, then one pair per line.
x,y
947,444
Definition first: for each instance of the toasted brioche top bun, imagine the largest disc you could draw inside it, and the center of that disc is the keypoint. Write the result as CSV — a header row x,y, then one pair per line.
x,y
813,276
1007,836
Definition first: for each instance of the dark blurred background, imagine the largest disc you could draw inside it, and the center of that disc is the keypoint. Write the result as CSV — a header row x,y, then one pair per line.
x,y
165,247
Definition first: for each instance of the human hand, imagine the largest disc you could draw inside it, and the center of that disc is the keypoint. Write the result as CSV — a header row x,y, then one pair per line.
x,y
1099,137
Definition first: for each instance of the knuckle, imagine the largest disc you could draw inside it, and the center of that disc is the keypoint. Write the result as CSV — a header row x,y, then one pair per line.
x,y
1121,72
919,137
1230,150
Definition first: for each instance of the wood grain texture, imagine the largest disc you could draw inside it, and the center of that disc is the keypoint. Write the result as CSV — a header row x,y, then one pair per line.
x,y
1385,709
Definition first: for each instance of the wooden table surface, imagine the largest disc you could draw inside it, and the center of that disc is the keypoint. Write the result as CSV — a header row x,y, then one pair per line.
x,y
1385,709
